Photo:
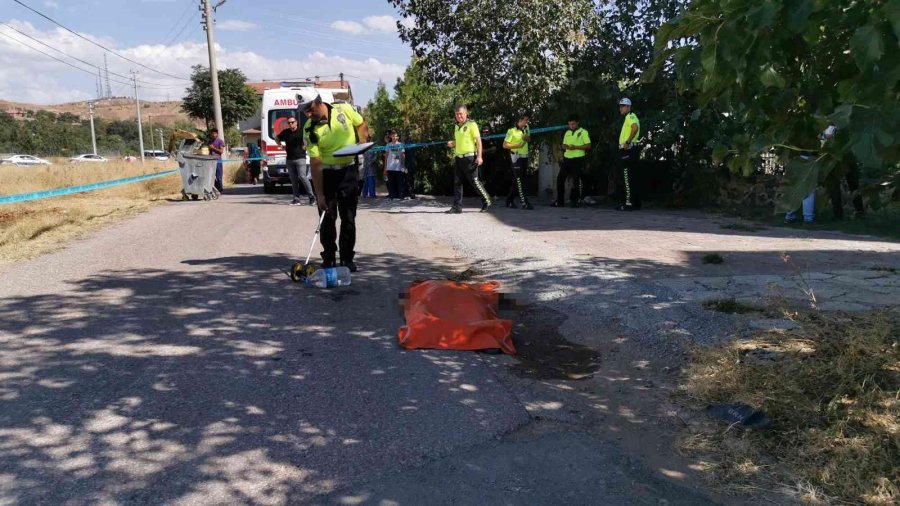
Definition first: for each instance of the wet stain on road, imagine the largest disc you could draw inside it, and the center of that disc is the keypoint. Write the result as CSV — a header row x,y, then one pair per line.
x,y
543,352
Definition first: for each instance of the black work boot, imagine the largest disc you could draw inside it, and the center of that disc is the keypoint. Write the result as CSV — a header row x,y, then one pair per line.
x,y
485,205
528,206
453,210
510,204
349,264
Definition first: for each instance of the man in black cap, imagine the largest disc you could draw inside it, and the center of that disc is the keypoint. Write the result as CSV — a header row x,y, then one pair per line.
x,y
335,179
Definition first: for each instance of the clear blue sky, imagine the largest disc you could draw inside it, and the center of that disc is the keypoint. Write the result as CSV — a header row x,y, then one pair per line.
x,y
267,39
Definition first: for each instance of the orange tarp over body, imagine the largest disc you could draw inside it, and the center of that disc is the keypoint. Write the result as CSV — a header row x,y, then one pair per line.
x,y
448,315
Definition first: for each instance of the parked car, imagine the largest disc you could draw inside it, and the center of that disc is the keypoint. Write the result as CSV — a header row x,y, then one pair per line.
x,y
156,154
87,158
24,160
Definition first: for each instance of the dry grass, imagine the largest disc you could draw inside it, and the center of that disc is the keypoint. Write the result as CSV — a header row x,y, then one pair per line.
x,y
832,390
32,228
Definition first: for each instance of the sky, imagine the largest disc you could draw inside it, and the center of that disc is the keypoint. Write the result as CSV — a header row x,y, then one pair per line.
x,y
266,39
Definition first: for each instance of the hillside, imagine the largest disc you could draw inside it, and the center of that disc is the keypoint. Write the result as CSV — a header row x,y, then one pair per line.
x,y
163,113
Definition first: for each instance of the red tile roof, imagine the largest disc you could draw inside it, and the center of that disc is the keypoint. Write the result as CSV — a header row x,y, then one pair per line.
x,y
262,86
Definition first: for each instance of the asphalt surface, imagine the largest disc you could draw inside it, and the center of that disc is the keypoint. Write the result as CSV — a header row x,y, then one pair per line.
x,y
169,360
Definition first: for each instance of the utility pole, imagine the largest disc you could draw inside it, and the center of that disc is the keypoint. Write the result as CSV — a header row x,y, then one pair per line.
x,y
161,148
208,23
137,102
93,135
150,127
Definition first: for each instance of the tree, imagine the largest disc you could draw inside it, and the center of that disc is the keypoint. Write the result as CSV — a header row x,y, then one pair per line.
x,y
510,55
239,101
381,114
786,70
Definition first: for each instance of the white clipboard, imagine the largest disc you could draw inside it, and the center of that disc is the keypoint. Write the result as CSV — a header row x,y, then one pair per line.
x,y
354,149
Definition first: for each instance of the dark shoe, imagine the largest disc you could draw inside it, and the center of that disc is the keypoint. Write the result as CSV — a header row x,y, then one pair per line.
x,y
625,207
327,264
312,201
453,210
528,207
349,264
510,204
555,204
575,204
486,205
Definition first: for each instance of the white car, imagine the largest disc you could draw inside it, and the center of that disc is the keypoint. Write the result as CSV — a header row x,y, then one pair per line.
x,y
23,160
87,158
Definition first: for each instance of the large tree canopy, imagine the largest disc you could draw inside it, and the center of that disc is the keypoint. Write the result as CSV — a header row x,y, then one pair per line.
x,y
239,101
785,70
516,53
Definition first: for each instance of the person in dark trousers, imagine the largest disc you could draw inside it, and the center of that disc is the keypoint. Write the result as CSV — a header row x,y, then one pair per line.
x,y
335,179
394,156
630,153
851,174
291,138
216,148
410,161
253,161
849,171
576,144
467,151
516,141
370,168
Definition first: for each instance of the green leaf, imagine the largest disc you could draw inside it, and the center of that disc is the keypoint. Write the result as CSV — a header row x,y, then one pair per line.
x,y
708,57
771,78
867,46
801,178
719,153
892,12
865,144
841,115
798,16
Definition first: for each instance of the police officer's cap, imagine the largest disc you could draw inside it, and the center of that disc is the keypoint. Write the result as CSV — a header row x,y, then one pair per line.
x,y
304,107
625,101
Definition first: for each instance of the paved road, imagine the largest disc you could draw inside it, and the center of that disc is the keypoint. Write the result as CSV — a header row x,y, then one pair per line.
x,y
169,359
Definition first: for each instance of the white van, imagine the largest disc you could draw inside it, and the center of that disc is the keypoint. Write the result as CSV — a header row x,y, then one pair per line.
x,y
278,105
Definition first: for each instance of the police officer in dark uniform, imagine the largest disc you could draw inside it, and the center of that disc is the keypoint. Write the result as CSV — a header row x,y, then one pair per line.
x,y
468,156
335,179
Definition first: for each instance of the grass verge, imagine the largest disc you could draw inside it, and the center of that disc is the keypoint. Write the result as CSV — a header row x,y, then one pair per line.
x,y
32,228
832,390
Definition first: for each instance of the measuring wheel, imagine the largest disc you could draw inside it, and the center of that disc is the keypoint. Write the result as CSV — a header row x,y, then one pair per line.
x,y
297,272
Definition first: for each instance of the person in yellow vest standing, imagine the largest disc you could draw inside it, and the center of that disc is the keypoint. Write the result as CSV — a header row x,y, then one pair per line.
x,y
516,141
631,131
467,157
576,144
335,179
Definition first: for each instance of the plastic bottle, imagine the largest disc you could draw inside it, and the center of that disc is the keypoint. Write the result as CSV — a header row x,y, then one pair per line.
x,y
332,276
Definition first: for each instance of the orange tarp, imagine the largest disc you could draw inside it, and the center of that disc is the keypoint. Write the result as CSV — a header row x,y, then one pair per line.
x,y
448,315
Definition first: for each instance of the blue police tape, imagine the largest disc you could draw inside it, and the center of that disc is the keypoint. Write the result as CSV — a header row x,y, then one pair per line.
x,y
58,192
417,145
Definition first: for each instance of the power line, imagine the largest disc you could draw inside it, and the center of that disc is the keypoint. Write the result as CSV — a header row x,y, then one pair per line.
x,y
362,78
180,16
91,72
76,58
188,22
96,44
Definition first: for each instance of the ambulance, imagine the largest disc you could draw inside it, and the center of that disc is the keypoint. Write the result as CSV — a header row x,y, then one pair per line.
x,y
278,105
